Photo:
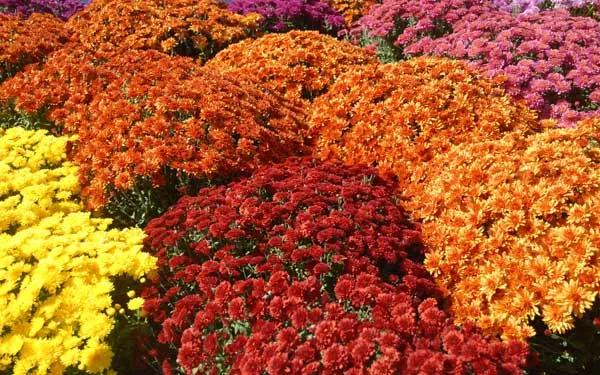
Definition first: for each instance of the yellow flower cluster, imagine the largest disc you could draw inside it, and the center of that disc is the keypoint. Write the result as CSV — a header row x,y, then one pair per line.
x,y
512,227
56,267
35,179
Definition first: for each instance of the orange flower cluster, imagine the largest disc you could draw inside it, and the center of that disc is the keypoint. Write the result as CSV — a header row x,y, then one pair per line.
x,y
162,114
25,41
352,10
301,65
71,77
400,115
196,28
512,227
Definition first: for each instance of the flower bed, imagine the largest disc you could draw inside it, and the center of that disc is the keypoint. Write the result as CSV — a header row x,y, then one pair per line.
x,y
306,187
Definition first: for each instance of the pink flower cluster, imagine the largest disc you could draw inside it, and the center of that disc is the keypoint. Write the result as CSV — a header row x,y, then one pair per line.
x,y
550,59
534,6
408,20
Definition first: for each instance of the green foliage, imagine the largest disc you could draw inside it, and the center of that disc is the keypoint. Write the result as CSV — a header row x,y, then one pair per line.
x,y
575,352
587,10
10,117
386,52
137,206
9,70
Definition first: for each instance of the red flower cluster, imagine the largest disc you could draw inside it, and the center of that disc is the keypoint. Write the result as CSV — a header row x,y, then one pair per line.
x,y
303,268
366,326
165,112
25,41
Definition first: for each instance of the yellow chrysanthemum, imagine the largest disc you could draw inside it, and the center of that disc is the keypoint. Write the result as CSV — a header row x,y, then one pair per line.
x,y
135,303
96,357
53,258
35,178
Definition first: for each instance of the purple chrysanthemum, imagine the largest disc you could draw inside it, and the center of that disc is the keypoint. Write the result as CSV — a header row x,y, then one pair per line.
x,y
62,9
284,15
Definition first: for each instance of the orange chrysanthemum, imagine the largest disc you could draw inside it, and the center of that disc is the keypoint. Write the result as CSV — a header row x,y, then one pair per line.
x,y
512,227
26,41
400,115
181,27
298,64
164,113
352,10
62,88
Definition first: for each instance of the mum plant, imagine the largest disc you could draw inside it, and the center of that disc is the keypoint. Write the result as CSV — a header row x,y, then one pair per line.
x,y
35,179
303,267
161,115
60,90
391,25
363,326
78,91
62,9
510,226
58,263
26,41
285,15
352,9
195,28
301,65
550,58
397,116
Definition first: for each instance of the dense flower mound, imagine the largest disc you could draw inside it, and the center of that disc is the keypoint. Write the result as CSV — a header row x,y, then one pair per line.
x,y
298,64
35,180
399,115
352,9
319,219
511,225
533,6
407,20
285,15
288,267
62,9
551,59
161,114
25,41
53,258
363,326
60,90
197,28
